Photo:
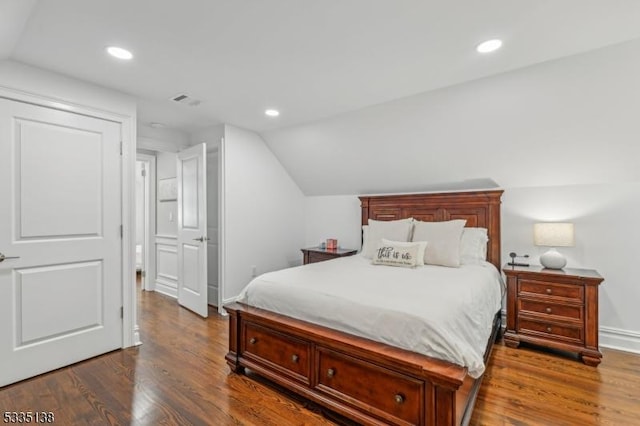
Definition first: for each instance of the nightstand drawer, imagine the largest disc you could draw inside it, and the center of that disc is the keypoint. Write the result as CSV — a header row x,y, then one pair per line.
x,y
563,332
320,257
574,312
542,288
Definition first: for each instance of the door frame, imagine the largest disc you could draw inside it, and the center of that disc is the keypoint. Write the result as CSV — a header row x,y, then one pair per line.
x,y
130,335
149,255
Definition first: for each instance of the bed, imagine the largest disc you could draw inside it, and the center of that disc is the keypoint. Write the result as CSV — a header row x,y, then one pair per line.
x,y
366,380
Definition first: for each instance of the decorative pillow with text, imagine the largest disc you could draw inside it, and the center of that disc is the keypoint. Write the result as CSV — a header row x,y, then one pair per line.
x,y
396,255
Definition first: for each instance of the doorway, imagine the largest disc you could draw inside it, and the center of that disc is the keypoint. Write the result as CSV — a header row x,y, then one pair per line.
x,y
145,258
160,267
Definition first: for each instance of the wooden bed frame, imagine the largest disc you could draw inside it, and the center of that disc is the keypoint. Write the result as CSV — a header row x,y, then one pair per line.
x,y
367,381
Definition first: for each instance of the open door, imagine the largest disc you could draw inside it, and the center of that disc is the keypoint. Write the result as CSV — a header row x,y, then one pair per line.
x,y
192,229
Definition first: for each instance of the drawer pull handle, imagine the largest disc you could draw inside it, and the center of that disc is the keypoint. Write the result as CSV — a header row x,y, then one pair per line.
x,y
331,372
253,340
399,398
548,310
295,358
548,329
548,291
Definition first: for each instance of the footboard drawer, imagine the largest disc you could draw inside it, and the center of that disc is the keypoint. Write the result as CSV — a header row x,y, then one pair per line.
x,y
278,351
395,399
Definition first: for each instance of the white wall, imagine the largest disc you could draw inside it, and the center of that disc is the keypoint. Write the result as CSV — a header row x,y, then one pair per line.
x,y
66,90
167,211
263,211
560,137
210,135
332,217
162,139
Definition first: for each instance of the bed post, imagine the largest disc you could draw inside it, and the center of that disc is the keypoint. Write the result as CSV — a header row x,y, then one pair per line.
x,y
444,413
232,356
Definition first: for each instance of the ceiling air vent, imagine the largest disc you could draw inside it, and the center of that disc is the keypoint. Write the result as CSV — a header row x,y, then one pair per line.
x,y
186,100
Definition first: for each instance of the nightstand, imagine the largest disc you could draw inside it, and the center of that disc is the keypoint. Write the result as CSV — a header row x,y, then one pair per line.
x,y
554,308
317,254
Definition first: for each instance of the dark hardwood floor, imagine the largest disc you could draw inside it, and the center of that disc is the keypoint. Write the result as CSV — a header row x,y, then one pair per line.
x,y
178,376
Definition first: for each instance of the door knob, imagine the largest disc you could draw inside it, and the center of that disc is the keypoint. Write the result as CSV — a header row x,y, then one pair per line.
x,y
201,239
3,257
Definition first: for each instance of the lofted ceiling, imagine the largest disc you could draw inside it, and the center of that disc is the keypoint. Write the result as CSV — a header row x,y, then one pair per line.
x,y
309,59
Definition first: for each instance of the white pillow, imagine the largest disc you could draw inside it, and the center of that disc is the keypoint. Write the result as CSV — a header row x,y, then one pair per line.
x,y
395,230
365,238
444,241
404,254
473,246
422,245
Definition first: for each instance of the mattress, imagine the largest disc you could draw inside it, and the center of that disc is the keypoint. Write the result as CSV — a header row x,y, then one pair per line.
x,y
445,313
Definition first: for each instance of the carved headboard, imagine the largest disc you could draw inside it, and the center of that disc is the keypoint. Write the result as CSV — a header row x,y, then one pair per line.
x,y
479,208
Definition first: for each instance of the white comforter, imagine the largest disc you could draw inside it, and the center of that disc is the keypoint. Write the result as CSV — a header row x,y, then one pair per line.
x,y
441,312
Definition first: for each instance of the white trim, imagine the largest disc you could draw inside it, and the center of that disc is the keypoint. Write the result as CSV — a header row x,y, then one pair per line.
x,y
149,221
623,340
222,242
131,336
167,288
128,131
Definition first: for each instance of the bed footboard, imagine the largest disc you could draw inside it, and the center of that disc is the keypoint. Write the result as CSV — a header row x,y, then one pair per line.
x,y
366,381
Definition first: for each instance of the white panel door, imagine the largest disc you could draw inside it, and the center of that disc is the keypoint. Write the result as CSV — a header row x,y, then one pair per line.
x,y
60,214
192,229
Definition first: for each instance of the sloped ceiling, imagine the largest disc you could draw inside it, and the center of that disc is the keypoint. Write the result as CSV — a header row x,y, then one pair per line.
x,y
309,59
571,121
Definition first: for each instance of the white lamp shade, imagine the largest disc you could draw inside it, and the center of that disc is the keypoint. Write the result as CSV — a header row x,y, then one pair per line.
x,y
553,234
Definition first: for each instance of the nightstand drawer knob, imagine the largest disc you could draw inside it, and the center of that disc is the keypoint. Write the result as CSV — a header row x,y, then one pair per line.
x,y
253,340
294,358
548,329
548,310
548,291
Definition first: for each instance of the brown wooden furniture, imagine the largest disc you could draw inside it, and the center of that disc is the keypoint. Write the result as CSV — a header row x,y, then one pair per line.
x,y
364,380
554,308
318,254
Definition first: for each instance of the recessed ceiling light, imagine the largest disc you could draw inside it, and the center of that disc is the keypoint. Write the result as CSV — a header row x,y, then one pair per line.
x,y
489,46
272,112
119,52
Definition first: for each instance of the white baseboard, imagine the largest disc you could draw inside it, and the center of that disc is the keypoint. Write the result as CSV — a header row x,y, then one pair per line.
x,y
136,336
623,340
166,289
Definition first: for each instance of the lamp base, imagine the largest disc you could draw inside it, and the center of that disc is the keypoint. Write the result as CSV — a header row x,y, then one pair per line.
x,y
553,259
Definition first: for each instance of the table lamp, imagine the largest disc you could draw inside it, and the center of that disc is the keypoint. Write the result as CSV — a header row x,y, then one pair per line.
x,y
553,235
